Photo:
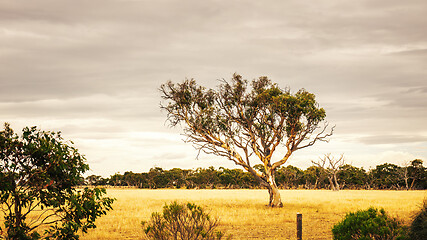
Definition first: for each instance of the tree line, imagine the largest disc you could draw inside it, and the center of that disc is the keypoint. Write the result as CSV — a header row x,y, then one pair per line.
x,y
385,176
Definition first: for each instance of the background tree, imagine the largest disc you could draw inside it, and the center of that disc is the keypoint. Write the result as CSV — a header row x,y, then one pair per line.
x,y
38,171
134,179
331,167
289,177
244,122
352,177
176,177
116,180
95,180
286,177
156,178
417,174
232,178
205,177
404,174
386,176
314,177
236,178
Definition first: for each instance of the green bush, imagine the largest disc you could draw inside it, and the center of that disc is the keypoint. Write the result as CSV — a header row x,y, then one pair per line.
x,y
39,171
418,229
182,221
369,224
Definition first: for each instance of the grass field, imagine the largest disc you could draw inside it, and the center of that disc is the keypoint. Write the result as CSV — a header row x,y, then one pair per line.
x,y
244,213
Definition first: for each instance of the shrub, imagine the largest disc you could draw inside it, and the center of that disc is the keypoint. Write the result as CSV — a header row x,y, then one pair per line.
x,y
418,229
369,224
38,174
182,221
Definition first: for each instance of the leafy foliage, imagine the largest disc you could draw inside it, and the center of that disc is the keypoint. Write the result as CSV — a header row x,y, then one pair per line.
x,y
418,229
38,171
289,177
418,174
369,224
352,177
386,175
243,121
182,222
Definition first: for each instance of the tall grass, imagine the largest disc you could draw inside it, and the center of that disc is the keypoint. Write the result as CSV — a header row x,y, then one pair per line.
x,y
245,215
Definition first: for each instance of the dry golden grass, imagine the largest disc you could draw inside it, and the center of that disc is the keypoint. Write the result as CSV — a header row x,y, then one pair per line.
x,y
244,213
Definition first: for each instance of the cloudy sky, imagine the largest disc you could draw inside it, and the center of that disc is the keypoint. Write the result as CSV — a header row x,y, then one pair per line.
x,y
92,70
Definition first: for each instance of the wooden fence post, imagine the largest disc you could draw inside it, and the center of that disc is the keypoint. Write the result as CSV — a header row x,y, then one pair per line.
x,y
299,226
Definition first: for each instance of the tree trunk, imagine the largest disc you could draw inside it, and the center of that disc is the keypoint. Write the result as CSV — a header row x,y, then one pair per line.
x,y
16,233
268,180
405,177
273,190
337,186
412,184
331,183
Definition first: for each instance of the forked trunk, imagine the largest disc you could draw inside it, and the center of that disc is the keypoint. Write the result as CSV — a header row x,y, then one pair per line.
x,y
331,183
337,185
405,177
273,190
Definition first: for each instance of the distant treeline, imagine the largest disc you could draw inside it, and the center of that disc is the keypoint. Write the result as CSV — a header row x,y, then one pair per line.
x,y
384,176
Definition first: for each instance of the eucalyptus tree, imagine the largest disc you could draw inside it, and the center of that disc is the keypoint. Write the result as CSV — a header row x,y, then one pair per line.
x,y
386,176
353,177
246,122
417,173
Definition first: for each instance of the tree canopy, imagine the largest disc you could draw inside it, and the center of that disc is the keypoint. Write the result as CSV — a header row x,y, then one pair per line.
x,y
38,172
289,177
244,121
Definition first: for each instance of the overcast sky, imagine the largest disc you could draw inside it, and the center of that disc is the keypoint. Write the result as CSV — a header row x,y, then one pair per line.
x,y
92,70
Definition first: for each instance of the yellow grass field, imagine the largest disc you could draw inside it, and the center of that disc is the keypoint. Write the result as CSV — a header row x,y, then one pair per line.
x,y
244,214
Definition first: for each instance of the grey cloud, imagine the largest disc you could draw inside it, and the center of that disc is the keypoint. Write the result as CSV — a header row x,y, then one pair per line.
x,y
393,139
171,156
67,63
415,99
422,53
96,106
102,43
359,22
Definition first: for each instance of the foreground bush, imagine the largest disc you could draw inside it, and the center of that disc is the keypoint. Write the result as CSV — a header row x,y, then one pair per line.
x,y
38,200
182,221
418,229
369,224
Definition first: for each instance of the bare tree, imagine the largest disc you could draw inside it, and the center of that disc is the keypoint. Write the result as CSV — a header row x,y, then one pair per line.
x,y
243,122
331,167
403,173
